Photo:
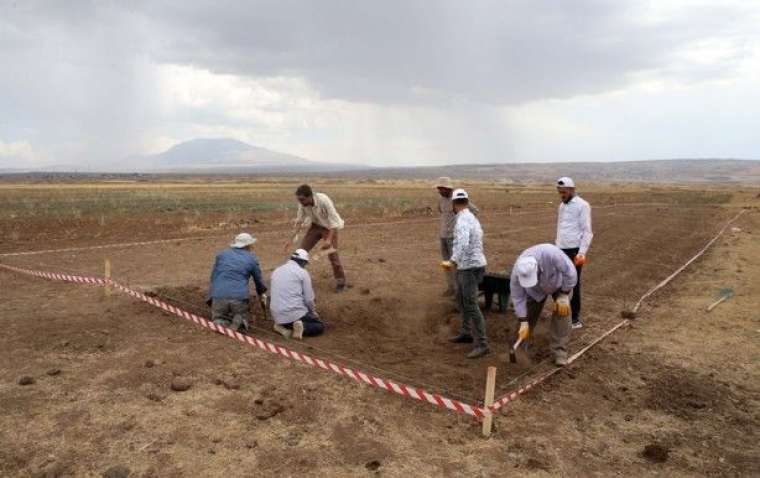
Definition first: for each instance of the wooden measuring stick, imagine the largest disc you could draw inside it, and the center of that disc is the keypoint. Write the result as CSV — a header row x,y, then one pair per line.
x,y
490,390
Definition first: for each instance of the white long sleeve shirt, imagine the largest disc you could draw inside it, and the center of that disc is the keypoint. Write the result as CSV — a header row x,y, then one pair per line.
x,y
555,272
322,213
468,242
292,295
574,225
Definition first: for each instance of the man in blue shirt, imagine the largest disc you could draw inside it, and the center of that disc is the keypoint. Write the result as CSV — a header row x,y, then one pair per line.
x,y
228,292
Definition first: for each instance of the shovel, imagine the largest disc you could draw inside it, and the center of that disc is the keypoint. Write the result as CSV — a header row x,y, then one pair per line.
x,y
322,253
724,294
513,351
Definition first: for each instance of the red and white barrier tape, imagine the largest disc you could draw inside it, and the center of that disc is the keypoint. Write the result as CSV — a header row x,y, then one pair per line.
x,y
357,375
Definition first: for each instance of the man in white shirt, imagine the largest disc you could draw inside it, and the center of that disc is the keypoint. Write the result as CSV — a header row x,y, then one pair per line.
x,y
292,305
541,271
470,262
318,212
574,236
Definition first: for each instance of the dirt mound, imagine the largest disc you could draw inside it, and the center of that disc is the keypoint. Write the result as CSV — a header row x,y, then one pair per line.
x,y
685,394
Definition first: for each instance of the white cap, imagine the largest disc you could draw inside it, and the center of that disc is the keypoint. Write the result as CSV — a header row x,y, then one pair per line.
x,y
301,255
527,271
243,240
459,194
565,182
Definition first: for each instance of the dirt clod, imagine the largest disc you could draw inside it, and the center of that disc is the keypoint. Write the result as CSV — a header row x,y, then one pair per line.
x,y
364,291
26,380
180,384
154,397
118,471
628,314
373,465
53,372
656,453
149,364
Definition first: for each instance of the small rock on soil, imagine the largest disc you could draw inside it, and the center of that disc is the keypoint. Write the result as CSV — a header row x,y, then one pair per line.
x,y
26,380
180,384
53,372
373,465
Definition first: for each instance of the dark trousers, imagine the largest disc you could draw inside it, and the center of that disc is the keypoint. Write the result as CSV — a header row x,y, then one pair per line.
x,y
575,301
316,234
312,326
473,322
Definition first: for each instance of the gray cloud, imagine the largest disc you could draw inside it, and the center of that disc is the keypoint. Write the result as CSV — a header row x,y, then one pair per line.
x,y
82,78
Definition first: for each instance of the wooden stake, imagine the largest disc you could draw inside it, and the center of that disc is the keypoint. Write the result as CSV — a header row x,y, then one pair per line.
x,y
107,275
490,390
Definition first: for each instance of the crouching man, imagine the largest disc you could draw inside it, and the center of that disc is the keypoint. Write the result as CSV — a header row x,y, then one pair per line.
x,y
228,292
292,299
540,271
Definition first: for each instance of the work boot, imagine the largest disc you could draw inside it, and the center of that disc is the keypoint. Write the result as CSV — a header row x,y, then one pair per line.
x,y
560,360
298,330
283,331
478,352
461,339
340,287
577,324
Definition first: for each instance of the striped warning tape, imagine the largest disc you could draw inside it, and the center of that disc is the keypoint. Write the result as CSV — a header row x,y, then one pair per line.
x,y
357,375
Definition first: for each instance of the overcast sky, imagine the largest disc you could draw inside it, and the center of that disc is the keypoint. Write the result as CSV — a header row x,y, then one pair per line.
x,y
382,82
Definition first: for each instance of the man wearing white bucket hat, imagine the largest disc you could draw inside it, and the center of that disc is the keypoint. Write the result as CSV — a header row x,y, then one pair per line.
x,y
293,306
574,236
540,271
445,187
228,292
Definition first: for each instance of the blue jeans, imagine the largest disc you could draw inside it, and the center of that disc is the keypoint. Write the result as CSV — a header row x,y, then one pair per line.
x,y
312,326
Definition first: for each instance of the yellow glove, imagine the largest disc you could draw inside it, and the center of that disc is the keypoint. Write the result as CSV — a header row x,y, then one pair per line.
x,y
580,260
447,265
562,305
524,331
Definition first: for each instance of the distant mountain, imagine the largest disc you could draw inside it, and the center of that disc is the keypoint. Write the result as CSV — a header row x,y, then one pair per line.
x,y
225,156
652,171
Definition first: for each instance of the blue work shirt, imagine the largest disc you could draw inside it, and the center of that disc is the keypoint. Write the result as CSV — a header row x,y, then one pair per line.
x,y
232,269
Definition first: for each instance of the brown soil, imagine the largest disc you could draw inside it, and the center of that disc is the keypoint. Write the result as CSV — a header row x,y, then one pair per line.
x,y
659,396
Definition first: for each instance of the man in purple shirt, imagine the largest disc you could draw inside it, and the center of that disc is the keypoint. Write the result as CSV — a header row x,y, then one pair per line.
x,y
540,271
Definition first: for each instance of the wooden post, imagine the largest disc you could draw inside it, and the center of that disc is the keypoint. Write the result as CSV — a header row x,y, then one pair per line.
x,y
107,275
490,389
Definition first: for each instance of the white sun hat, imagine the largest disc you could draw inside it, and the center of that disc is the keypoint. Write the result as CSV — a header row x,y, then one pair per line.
x,y
243,240
527,271
459,194
565,182
300,254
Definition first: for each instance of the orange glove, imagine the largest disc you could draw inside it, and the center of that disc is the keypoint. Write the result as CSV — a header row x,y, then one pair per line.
x,y
524,331
579,260
447,265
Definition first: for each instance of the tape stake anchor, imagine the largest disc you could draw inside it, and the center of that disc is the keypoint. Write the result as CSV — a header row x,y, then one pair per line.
x,y
488,403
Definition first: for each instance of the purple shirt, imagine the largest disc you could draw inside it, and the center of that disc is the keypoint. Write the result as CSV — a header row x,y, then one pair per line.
x,y
555,272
